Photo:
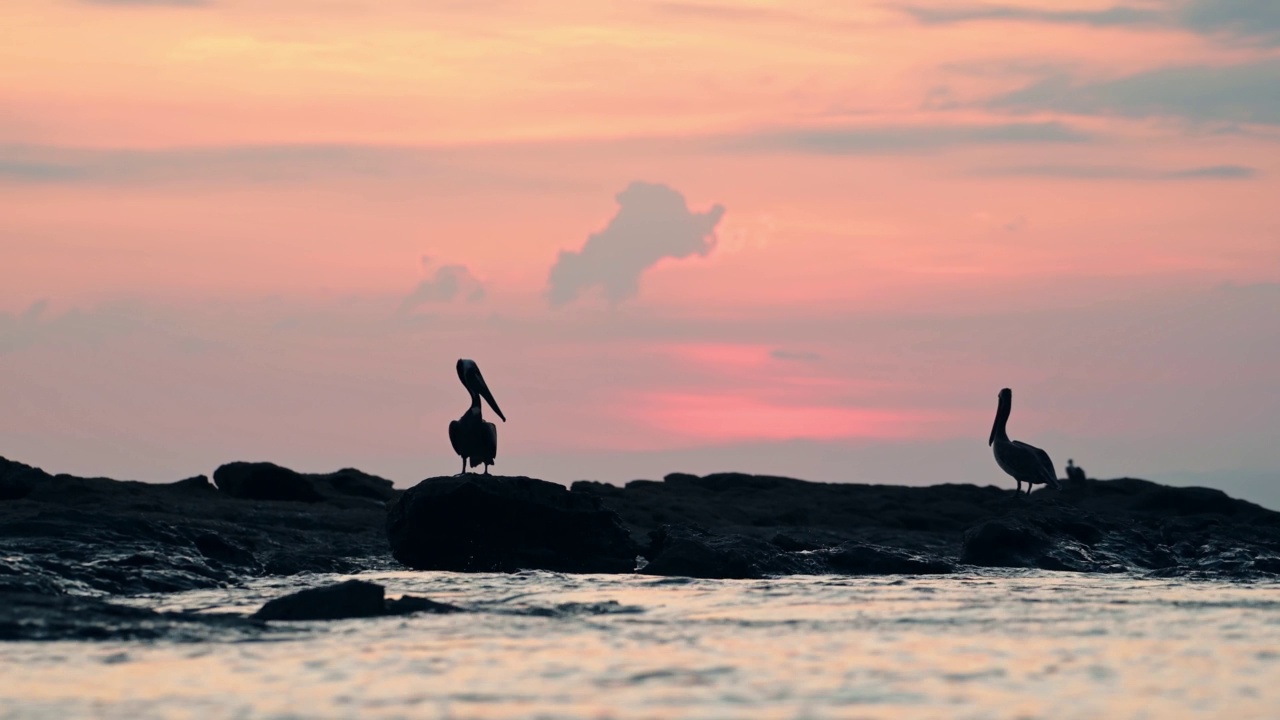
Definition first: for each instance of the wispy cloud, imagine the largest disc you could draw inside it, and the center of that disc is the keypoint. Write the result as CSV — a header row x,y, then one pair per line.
x,y
1109,17
653,222
1256,21
157,3
902,139
1242,93
1122,172
794,355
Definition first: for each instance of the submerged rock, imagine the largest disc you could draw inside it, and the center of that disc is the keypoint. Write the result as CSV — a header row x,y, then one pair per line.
x,y
489,523
350,599
27,617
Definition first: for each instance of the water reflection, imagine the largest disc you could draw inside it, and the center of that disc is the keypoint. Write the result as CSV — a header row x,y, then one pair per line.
x,y
539,644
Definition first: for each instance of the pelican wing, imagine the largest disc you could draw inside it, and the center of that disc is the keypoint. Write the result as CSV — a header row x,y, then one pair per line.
x,y
1040,461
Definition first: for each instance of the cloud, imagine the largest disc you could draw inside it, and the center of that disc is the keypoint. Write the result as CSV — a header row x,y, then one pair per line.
x,y
875,140
1255,21
1243,93
794,356
156,3
1258,20
653,222
447,284
1111,17
1123,172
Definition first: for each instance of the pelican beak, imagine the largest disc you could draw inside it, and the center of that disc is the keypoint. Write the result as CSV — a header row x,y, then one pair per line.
x,y
483,389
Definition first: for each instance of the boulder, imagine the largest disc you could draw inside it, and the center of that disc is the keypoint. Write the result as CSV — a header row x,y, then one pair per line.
x,y
268,481
351,599
490,523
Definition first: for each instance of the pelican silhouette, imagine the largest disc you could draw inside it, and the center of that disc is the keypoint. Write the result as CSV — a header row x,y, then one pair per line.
x,y
472,437
1025,463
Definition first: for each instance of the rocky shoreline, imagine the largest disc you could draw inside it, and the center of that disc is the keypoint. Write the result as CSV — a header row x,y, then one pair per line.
x,y
69,544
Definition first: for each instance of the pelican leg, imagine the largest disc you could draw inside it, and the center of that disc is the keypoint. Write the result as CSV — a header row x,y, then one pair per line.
x,y
464,467
1018,491
486,468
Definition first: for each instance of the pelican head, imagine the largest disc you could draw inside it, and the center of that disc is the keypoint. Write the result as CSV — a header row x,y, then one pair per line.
x,y
473,381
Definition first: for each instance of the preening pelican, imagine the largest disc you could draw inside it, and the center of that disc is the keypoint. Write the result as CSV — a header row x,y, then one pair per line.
x,y
1026,463
472,437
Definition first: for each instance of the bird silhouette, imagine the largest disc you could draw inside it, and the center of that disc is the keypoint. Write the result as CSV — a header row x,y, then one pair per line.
x,y
1025,463
472,437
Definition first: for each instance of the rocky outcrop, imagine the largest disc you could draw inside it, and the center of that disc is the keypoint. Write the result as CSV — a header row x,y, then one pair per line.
x,y
350,599
732,519
63,534
267,481
489,523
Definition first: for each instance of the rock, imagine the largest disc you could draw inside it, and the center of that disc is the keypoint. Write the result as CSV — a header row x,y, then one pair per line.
x,y
489,523
63,534
264,481
215,548
351,599
693,552
853,558
268,481
18,480
27,617
408,604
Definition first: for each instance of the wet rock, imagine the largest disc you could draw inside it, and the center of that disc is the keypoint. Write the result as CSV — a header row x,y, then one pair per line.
x,y
409,604
489,523
685,551
853,558
214,547
350,599
61,534
27,617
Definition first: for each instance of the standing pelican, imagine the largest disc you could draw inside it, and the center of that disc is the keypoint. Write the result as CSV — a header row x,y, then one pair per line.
x,y
1026,463
472,437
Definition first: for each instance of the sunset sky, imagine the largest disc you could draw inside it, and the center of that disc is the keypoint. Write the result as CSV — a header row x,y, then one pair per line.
x,y
802,238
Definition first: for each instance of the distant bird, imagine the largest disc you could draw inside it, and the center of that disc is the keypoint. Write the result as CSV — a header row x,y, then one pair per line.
x,y
1075,473
1026,463
473,438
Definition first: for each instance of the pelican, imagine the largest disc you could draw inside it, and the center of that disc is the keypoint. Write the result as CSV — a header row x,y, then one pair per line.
x,y
1026,463
472,437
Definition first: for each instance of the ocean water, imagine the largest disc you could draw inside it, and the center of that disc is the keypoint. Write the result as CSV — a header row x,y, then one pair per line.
x,y
989,645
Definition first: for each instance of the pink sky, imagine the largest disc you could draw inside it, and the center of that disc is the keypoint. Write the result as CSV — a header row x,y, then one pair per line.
x,y
265,229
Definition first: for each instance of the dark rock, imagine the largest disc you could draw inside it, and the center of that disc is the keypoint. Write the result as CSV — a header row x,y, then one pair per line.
x,y
489,523
215,548
351,599
18,480
853,558
267,481
67,534
264,481
28,617
693,552
408,604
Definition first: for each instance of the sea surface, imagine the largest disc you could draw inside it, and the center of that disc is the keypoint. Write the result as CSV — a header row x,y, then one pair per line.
x,y
990,645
